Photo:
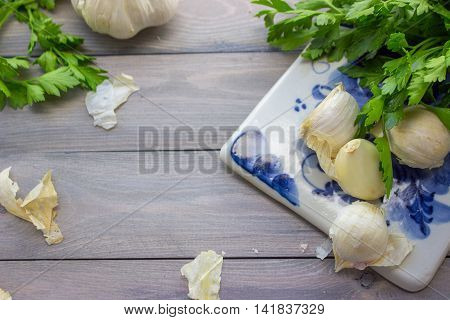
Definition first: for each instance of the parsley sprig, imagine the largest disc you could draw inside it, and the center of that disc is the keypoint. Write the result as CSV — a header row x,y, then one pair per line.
x,y
400,50
63,66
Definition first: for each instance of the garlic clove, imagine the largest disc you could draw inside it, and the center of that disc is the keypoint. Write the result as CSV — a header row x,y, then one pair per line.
x,y
361,239
330,125
360,236
357,170
420,140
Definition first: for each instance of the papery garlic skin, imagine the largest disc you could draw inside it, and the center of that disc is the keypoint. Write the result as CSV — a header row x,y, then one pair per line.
x,y
330,125
123,19
8,192
357,170
420,140
359,234
5,295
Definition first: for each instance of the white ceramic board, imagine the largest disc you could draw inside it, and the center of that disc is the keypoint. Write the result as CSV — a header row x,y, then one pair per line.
x,y
266,151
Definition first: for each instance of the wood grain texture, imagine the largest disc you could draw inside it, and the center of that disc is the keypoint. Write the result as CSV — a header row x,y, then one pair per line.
x,y
109,209
193,102
199,26
241,279
141,226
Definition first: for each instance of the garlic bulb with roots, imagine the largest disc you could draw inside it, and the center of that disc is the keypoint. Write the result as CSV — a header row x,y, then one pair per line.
x,y
329,126
361,238
123,19
357,170
420,140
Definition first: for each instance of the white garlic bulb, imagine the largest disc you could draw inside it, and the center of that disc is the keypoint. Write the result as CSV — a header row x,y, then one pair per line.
x,y
361,238
420,140
329,126
123,19
357,170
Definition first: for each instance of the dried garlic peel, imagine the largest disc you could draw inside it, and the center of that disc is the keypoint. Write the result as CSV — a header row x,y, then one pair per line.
x,y
4,295
324,249
108,97
397,250
8,191
203,275
38,206
41,203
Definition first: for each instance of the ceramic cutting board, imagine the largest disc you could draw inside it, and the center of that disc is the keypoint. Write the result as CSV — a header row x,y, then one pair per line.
x,y
266,151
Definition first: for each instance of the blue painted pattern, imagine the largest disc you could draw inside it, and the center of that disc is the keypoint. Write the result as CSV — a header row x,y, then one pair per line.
x,y
413,202
248,151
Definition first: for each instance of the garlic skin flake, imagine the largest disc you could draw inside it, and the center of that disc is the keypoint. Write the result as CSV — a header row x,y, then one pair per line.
x,y
108,97
123,19
5,295
37,208
8,192
203,275
420,140
357,170
41,203
361,239
329,126
324,249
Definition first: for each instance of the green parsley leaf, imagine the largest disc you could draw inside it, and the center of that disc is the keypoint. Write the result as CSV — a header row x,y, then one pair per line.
x,y
47,61
397,41
375,110
57,81
436,69
65,68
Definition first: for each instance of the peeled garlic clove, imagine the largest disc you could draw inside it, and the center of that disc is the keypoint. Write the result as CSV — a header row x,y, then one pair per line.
x,y
420,140
361,238
329,126
357,170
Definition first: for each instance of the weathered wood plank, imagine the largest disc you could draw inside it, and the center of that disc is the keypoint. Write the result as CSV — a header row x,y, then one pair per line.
x,y
163,215
201,100
199,26
241,279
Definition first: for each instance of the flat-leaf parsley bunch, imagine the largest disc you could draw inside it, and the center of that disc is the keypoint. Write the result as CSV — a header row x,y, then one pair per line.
x,y
63,66
400,49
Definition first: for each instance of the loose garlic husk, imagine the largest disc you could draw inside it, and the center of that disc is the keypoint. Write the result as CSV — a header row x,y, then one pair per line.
x,y
329,126
420,140
361,239
123,19
357,170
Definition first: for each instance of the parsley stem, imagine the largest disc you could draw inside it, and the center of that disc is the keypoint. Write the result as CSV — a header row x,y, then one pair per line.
x,y
333,7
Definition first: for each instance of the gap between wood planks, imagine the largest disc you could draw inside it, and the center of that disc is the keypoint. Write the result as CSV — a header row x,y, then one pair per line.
x,y
168,259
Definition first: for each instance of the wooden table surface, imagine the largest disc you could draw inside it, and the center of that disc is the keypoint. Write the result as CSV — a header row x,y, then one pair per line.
x,y
129,231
